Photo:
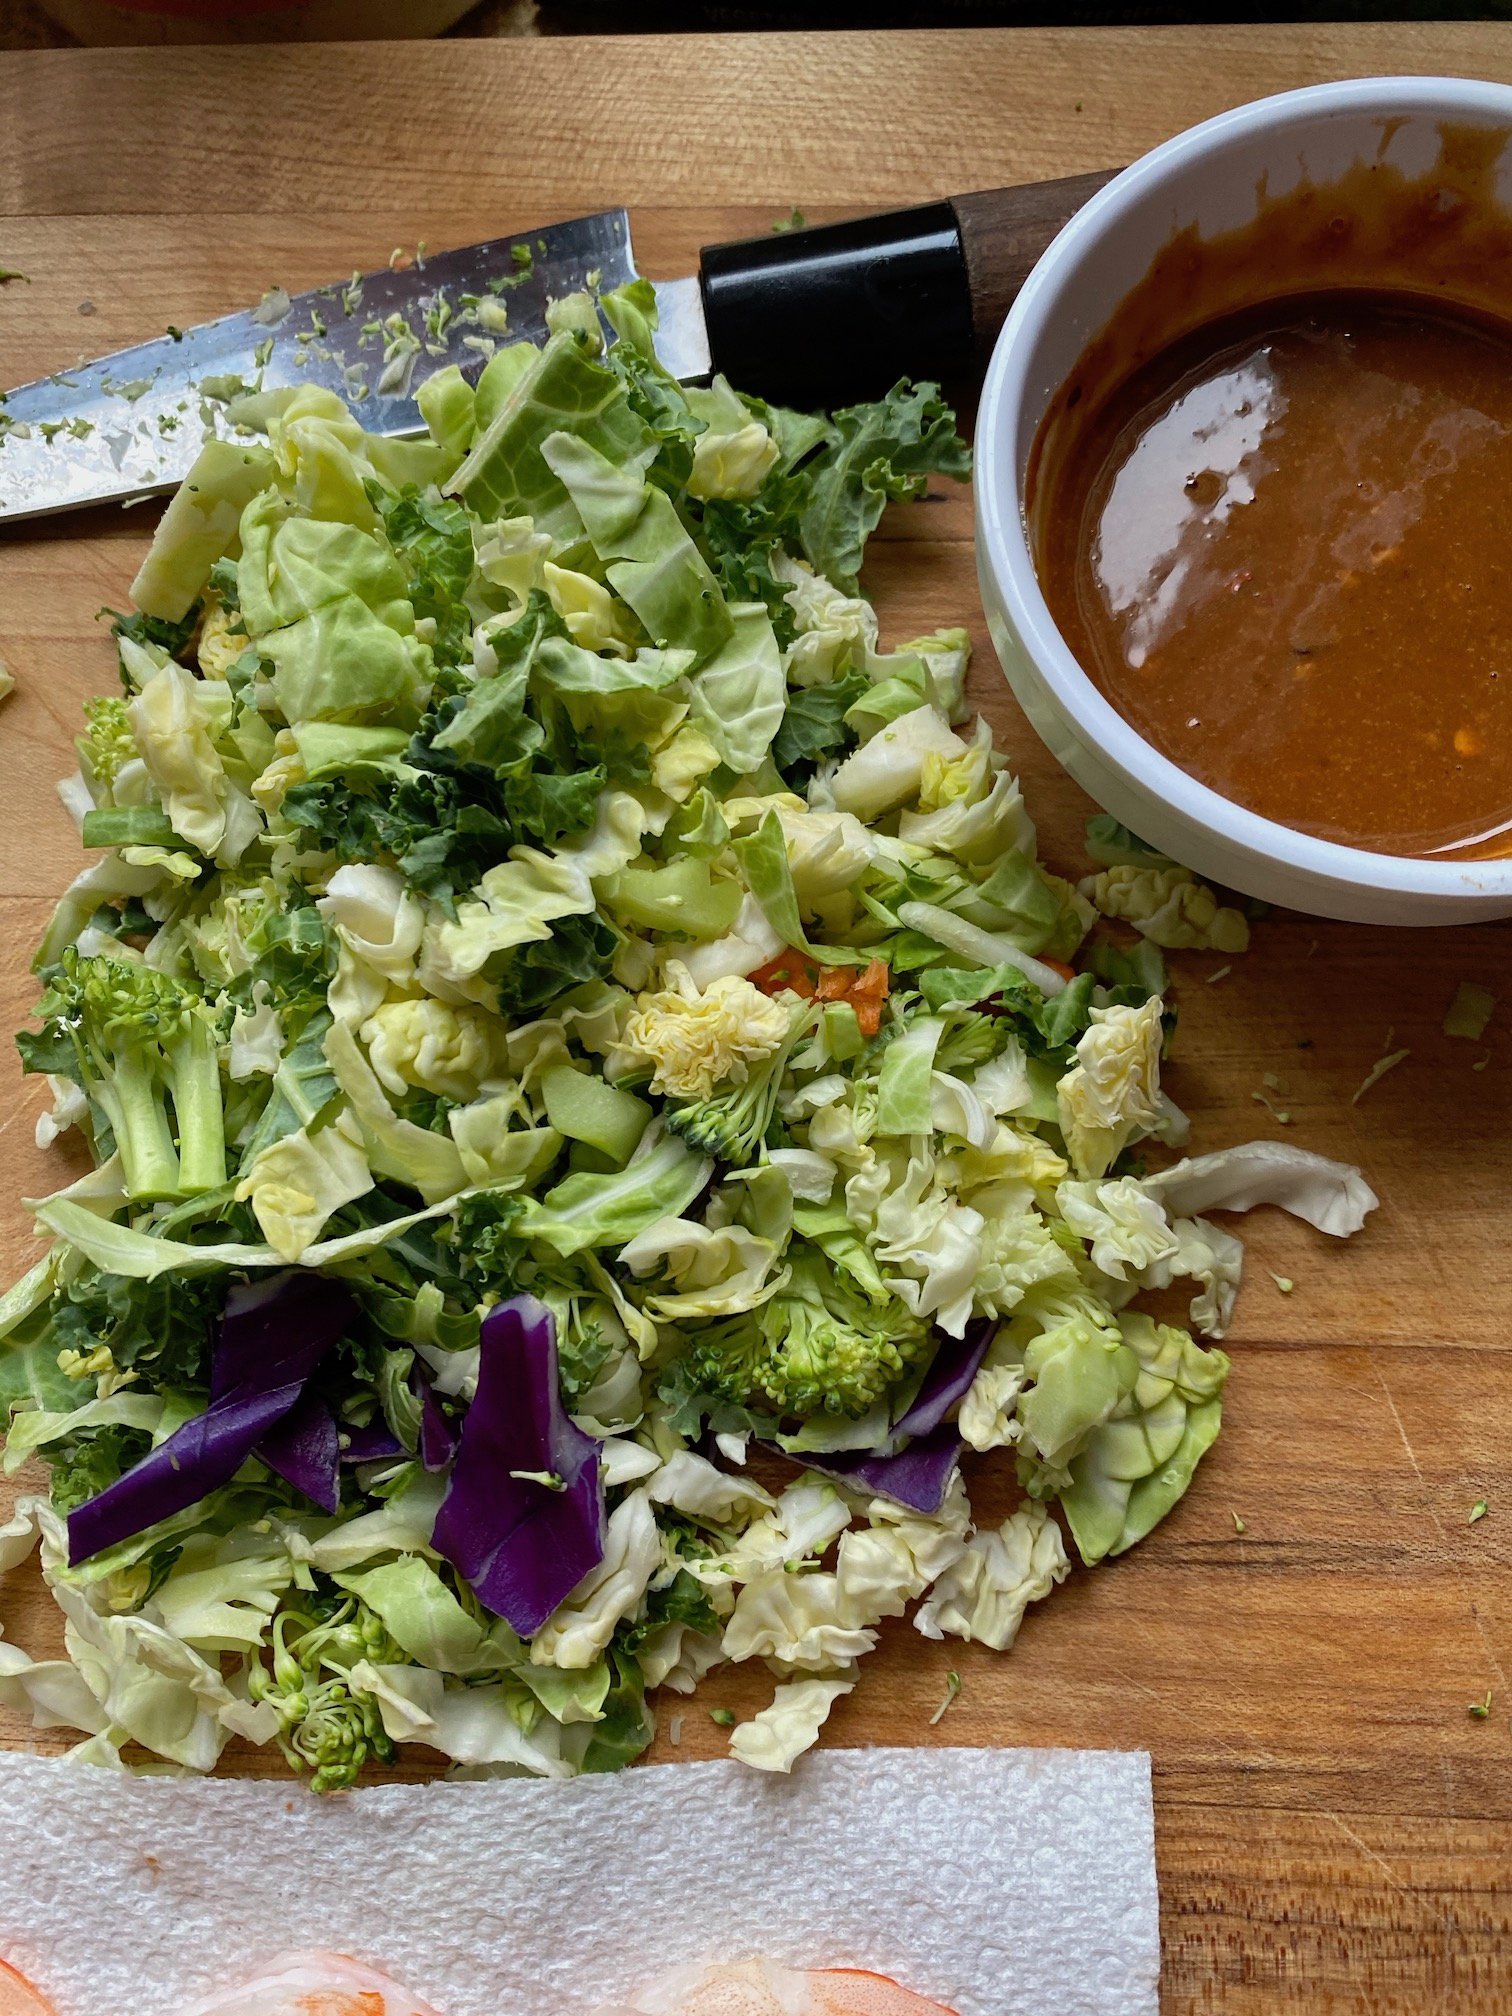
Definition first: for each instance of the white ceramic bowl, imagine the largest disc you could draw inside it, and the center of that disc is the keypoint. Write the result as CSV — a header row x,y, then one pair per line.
x,y
1207,177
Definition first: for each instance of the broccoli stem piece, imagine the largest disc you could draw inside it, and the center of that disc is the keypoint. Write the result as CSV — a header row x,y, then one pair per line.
x,y
130,1092
195,1069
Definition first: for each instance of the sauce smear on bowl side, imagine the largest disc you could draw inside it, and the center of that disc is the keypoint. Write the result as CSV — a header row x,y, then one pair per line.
x,y
1280,547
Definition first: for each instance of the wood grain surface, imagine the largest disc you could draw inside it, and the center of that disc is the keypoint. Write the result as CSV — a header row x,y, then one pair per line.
x,y
1335,1830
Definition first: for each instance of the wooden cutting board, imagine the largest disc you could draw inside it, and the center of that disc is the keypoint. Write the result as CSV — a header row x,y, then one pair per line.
x,y
1335,1830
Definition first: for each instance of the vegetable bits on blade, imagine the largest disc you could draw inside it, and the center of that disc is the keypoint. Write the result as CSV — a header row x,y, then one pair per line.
x,y
555,1007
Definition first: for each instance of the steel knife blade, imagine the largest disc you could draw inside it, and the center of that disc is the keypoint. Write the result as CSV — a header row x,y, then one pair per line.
x,y
812,317
131,424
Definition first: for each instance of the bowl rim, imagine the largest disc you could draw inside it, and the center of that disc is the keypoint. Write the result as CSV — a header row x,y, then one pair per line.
x,y
1003,538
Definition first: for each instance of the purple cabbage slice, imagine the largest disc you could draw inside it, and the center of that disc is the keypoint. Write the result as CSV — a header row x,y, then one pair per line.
x,y
439,1434
948,1380
276,1331
305,1450
204,1454
273,1335
376,1443
523,1515
918,1476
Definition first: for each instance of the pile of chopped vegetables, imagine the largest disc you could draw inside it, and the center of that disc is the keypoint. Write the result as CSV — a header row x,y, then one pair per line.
x,y
559,1013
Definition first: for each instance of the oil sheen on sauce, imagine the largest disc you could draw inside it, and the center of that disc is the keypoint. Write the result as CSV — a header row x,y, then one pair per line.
x,y
1282,547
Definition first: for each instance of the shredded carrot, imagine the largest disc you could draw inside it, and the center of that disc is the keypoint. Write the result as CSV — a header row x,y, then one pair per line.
x,y
1066,972
790,971
863,990
868,994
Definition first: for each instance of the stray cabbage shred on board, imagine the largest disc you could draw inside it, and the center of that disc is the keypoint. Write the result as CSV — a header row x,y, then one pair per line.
x,y
594,1102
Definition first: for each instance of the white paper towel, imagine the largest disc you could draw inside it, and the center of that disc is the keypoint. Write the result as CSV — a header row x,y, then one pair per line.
x,y
1004,1882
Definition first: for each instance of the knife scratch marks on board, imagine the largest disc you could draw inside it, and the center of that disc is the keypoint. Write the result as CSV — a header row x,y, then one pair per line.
x,y
1370,1854
1257,1754
1487,1645
1417,1468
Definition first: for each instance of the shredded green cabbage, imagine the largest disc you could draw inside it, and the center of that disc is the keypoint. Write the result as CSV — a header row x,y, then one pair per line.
x,y
523,870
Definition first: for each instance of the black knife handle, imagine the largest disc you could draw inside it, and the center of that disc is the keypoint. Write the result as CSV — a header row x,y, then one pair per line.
x,y
842,311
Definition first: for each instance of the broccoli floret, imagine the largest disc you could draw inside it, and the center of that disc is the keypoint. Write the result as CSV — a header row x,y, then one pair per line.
x,y
108,746
330,1728
970,1039
137,1037
732,1124
817,1347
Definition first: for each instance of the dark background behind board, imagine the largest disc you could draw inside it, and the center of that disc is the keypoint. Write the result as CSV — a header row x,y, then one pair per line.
x,y
25,24
607,17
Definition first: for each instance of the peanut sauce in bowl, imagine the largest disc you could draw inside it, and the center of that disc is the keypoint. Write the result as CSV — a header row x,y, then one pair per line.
x,y
1283,550
1244,499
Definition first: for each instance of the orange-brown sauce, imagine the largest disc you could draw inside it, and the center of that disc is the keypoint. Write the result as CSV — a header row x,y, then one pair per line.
x,y
1283,550
1279,536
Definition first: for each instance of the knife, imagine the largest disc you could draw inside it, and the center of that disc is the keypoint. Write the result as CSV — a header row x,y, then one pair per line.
x,y
806,317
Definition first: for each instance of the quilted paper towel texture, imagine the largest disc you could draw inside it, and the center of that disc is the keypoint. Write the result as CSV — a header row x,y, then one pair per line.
x,y
1005,1882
